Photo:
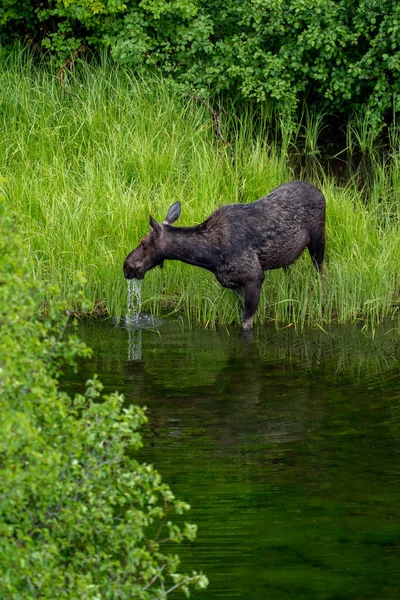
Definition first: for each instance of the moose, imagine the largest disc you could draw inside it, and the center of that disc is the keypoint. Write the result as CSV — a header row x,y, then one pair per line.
x,y
238,242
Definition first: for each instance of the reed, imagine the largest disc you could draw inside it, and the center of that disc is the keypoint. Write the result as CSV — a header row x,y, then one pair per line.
x,y
86,164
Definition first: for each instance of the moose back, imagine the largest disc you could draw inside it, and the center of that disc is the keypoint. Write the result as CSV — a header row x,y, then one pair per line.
x,y
238,242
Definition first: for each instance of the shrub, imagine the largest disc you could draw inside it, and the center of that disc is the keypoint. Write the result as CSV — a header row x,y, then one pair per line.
x,y
79,516
338,56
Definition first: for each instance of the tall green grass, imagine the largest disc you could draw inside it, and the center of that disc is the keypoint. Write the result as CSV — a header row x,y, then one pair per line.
x,y
84,169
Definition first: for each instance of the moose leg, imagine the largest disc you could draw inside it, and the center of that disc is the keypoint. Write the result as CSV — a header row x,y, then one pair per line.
x,y
251,292
316,249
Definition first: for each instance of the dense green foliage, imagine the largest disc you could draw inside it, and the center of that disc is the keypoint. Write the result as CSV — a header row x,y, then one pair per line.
x,y
338,55
85,170
79,516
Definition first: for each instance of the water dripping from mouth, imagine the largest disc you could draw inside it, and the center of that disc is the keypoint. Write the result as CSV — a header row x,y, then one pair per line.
x,y
134,304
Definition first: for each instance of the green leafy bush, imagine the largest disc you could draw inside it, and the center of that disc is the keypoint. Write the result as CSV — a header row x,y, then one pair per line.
x,y
79,516
338,56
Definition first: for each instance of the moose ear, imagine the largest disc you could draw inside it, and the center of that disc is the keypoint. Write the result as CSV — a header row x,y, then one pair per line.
x,y
154,225
174,212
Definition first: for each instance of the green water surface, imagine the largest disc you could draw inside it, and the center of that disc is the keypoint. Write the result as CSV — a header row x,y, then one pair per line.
x,y
286,445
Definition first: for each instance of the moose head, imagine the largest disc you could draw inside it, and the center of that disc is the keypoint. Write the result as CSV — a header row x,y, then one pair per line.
x,y
150,252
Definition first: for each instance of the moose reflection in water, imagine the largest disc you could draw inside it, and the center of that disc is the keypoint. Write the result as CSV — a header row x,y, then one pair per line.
x,y
238,242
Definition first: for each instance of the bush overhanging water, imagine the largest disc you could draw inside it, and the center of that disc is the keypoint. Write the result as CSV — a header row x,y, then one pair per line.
x,y
79,516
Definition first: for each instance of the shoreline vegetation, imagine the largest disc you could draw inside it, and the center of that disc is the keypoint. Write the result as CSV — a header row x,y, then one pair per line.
x,y
80,516
85,163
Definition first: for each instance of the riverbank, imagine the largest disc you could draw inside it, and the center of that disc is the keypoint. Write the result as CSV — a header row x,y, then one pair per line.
x,y
87,160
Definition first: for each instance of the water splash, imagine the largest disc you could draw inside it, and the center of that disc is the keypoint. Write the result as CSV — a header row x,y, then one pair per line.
x,y
135,321
134,302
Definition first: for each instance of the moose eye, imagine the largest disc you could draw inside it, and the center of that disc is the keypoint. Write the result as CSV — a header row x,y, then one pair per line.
x,y
144,245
